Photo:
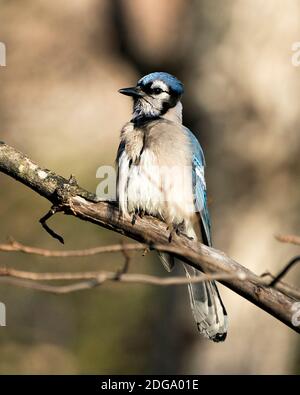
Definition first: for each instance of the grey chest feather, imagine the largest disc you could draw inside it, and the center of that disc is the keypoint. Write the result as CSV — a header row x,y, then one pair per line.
x,y
150,160
134,140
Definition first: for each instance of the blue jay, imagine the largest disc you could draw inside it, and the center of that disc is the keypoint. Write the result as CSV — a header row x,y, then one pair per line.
x,y
161,173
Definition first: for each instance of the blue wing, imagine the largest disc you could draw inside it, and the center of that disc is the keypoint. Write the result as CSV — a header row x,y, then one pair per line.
x,y
199,188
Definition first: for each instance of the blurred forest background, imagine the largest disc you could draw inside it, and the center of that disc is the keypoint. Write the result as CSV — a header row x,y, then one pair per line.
x,y
59,104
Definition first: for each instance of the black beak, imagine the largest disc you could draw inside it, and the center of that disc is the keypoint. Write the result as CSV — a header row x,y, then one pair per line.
x,y
133,92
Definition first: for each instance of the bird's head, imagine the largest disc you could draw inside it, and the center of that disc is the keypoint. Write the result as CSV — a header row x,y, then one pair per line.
x,y
155,94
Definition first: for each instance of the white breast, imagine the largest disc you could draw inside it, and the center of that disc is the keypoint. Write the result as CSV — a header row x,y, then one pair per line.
x,y
140,184
162,191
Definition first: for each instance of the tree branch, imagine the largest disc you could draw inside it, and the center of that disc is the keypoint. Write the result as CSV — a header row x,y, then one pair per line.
x,y
285,270
15,246
12,276
73,200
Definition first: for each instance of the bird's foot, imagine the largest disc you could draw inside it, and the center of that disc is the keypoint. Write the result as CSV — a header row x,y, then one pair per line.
x,y
141,213
136,214
177,229
133,218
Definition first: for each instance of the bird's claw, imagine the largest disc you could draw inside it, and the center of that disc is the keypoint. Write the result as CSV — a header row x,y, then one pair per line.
x,y
137,213
133,218
177,229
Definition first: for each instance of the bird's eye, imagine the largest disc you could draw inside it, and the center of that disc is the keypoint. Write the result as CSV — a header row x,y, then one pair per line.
x,y
157,91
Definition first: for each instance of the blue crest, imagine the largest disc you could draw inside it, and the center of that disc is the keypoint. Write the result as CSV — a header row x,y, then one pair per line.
x,y
174,84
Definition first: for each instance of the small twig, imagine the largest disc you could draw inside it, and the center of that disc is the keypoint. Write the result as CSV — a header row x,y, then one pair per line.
x,y
15,246
291,239
127,258
282,286
125,267
93,279
64,289
43,222
284,271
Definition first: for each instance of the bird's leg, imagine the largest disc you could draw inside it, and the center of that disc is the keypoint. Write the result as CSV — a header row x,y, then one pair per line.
x,y
138,213
171,234
178,229
134,216
133,219
174,230
141,213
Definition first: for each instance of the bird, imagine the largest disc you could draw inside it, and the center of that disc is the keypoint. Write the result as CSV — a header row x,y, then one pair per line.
x,y
160,172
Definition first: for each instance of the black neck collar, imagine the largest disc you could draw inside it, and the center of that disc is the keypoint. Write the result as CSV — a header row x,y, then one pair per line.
x,y
141,120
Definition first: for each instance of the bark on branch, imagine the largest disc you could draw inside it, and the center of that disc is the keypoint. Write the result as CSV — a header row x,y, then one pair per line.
x,y
71,199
